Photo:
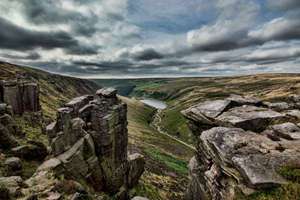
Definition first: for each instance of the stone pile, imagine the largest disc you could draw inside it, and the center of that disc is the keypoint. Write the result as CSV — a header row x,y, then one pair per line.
x,y
242,144
89,143
22,95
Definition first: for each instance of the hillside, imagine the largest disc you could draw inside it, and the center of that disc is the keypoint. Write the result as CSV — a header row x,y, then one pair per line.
x,y
166,161
181,93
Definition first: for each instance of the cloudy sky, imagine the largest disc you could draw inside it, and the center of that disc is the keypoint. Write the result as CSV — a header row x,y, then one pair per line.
x,y
152,38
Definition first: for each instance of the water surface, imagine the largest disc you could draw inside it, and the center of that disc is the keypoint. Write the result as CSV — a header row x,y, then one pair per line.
x,y
155,103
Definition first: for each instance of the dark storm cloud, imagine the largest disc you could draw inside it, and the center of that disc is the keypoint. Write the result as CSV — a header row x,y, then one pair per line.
x,y
52,12
147,54
15,37
29,56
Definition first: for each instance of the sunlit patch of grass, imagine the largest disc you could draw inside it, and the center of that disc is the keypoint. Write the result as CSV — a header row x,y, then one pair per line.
x,y
171,162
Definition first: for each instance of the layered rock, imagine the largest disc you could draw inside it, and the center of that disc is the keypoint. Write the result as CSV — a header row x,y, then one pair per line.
x,y
23,96
89,143
242,144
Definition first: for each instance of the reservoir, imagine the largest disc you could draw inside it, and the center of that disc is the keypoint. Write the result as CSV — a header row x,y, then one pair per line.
x,y
155,103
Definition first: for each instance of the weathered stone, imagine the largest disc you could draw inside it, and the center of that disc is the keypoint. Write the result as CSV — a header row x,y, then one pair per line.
x,y
79,196
238,100
13,184
23,96
48,165
205,112
89,142
230,159
79,102
293,113
136,168
7,140
10,124
13,166
278,106
249,118
51,130
107,92
287,130
139,198
31,151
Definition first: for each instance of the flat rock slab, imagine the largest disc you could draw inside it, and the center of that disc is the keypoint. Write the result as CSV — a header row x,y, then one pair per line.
x,y
287,130
256,157
206,111
247,100
249,118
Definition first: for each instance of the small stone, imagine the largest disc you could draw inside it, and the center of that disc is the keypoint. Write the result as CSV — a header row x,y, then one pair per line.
x,y
13,166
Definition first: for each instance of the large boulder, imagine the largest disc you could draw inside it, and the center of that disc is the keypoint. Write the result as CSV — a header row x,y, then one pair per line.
x,y
249,118
241,146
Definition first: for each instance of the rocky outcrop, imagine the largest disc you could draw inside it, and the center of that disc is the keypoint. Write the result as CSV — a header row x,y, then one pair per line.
x,y
242,144
89,143
22,95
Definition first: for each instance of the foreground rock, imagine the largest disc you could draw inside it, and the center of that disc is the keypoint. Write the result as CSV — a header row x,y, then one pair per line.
x,y
89,143
241,147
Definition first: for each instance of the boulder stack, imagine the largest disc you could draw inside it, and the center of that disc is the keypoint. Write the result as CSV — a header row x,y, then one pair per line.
x,y
89,142
242,144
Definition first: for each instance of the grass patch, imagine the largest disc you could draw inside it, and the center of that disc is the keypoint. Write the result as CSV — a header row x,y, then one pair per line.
x,y
33,130
175,124
290,173
146,190
172,163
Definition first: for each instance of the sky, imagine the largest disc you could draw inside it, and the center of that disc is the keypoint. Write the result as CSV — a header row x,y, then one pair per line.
x,y
151,38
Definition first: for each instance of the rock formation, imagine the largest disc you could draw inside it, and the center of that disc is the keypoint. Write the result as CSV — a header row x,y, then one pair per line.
x,y
22,95
242,144
89,143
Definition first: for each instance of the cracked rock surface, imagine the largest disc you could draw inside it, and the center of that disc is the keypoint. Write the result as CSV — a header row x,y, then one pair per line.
x,y
242,143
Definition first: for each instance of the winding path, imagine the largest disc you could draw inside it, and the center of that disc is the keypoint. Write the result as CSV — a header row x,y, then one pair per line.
x,y
156,123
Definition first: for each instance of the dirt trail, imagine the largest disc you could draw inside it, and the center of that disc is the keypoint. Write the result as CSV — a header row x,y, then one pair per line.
x,y
156,123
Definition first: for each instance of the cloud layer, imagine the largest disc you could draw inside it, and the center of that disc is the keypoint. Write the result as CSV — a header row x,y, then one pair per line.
x,y
146,38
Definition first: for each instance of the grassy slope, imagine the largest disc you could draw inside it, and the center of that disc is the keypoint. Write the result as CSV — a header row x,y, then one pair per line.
x,y
183,92
166,160
54,91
